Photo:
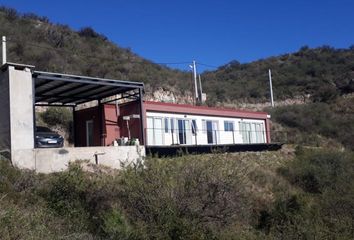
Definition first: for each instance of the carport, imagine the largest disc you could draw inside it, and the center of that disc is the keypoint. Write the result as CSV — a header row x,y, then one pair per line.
x,y
22,89
64,90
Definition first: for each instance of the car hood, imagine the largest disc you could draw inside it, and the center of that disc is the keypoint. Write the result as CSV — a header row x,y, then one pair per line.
x,y
47,134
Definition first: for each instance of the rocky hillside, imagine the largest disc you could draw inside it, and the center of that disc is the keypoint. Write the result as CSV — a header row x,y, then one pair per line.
x,y
320,74
58,48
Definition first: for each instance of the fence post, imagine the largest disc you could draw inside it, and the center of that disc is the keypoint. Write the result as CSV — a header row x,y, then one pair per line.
x,y
195,136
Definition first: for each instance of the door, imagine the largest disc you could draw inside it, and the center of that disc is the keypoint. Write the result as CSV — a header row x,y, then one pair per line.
x,y
158,131
150,130
89,133
188,128
181,131
155,131
212,127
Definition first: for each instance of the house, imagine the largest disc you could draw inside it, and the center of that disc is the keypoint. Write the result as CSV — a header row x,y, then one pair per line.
x,y
166,124
118,115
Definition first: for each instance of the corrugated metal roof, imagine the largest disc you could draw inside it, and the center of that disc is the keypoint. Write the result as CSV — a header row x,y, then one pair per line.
x,y
65,89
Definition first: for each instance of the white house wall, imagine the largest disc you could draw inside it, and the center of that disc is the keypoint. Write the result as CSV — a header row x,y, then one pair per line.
x,y
221,136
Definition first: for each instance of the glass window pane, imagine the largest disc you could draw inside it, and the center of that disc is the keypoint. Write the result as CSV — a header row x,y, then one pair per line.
x,y
166,125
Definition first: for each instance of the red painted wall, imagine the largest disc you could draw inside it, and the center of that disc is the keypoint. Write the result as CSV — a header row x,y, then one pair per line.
x,y
134,124
113,126
81,117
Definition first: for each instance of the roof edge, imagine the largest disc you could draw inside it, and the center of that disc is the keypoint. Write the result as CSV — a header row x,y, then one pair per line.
x,y
205,108
16,65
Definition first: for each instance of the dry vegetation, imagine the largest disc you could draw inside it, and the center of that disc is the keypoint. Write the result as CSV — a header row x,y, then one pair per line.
x,y
276,195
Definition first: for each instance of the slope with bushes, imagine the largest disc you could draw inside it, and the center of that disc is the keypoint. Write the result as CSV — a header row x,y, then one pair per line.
x,y
307,124
275,195
58,48
323,73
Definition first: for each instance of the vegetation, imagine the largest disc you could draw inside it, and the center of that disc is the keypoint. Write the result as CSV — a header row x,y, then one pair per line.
x,y
217,196
57,116
276,195
324,207
308,122
323,73
58,48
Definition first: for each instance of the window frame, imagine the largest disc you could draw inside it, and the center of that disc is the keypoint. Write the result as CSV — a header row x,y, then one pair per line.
x,y
229,126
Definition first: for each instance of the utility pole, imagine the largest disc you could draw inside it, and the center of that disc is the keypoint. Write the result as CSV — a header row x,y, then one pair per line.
x,y
271,88
195,82
3,50
200,91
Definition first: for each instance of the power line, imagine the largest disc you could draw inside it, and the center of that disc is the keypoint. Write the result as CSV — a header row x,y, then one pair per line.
x,y
207,65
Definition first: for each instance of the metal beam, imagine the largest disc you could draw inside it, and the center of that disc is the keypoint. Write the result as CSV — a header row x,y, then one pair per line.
x,y
51,88
53,95
95,93
123,97
41,84
77,93
69,96
94,81
142,117
39,73
53,105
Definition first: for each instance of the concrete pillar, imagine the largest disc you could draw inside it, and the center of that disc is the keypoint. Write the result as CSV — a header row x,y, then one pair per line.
x,y
17,114
5,140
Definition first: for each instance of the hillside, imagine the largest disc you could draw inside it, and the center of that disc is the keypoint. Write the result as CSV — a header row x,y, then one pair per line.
x,y
58,48
321,73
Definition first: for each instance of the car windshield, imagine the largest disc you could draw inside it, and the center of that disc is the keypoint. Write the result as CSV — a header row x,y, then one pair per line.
x,y
43,129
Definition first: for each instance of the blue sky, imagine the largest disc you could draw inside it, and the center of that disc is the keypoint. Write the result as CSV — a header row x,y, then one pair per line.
x,y
213,32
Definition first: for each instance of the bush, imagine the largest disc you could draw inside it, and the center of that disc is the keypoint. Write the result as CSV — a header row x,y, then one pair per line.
x,y
90,33
325,93
58,116
189,197
325,207
329,120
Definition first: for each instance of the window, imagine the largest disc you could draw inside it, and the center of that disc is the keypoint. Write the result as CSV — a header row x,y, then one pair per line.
x,y
228,126
172,125
194,127
204,127
167,125
252,132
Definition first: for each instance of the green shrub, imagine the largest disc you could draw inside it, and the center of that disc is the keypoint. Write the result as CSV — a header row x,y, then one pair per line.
x,y
329,120
66,196
325,207
61,116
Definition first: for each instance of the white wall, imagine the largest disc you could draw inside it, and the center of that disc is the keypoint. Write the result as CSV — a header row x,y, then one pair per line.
x,y
48,160
16,127
222,136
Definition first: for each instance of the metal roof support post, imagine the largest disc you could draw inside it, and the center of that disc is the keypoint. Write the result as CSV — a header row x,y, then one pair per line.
x,y
101,112
34,113
74,125
142,117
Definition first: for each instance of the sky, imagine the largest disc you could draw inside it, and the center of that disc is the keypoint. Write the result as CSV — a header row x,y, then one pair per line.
x,y
212,32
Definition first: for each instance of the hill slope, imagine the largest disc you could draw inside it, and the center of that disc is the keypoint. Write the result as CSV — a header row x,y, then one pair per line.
x,y
321,72
57,48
